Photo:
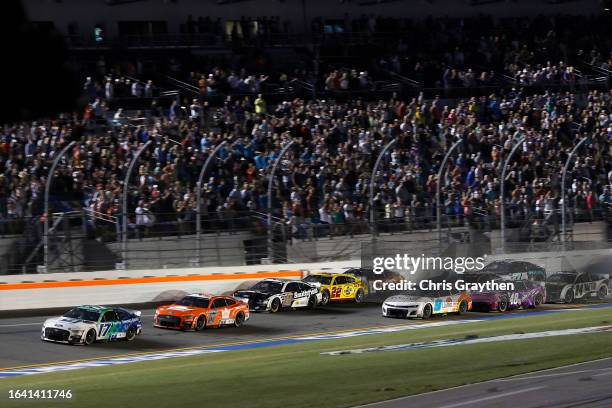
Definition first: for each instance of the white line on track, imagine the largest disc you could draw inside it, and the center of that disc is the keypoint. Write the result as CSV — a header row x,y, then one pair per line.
x,y
492,397
536,377
39,323
450,389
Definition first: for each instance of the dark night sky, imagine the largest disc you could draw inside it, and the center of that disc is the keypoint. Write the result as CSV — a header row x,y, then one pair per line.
x,y
35,81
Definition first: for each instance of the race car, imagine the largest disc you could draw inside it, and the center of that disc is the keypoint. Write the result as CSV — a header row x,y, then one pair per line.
x,y
525,294
426,303
569,286
275,294
88,324
197,312
516,270
338,287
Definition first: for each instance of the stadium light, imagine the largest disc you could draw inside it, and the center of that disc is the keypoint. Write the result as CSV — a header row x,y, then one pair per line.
x,y
270,185
203,171
563,202
124,212
438,185
503,191
46,213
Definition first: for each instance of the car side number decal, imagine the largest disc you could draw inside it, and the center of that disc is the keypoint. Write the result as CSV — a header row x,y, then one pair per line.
x,y
438,303
104,329
336,292
514,299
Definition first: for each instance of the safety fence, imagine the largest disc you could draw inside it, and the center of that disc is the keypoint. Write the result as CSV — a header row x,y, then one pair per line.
x,y
87,240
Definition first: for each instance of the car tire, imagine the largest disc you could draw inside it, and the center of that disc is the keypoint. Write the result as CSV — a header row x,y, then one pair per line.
x,y
312,302
602,293
200,323
427,311
502,305
275,306
130,334
90,337
324,298
239,319
538,300
463,307
569,296
359,296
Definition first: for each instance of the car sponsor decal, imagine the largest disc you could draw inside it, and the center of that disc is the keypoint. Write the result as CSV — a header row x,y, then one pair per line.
x,y
179,308
54,367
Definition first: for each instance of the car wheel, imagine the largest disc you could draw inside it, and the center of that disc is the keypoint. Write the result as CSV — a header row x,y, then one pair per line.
x,y
502,305
312,302
602,293
239,319
569,296
200,323
427,311
324,298
90,337
463,307
359,296
538,300
131,334
275,306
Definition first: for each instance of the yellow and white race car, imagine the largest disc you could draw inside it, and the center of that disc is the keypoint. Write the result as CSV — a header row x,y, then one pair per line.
x,y
338,287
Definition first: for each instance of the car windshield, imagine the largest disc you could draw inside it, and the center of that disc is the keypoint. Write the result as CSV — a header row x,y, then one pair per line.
x,y
498,267
268,287
562,278
480,277
424,293
83,314
323,280
194,302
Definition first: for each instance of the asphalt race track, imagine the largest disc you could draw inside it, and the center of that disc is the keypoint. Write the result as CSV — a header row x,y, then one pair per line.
x,y
21,344
578,385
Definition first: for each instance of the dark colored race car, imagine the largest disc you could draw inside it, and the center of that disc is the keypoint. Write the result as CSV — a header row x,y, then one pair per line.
x,y
569,286
275,294
525,294
516,270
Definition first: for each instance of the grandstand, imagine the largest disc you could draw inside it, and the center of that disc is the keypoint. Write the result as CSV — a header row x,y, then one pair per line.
x,y
197,148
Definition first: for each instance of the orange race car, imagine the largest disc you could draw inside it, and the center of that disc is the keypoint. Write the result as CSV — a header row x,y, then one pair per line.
x,y
196,312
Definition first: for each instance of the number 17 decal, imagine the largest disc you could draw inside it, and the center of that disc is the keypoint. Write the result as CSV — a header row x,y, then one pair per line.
x,y
104,329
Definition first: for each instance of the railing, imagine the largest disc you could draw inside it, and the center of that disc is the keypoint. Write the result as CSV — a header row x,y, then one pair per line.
x,y
238,238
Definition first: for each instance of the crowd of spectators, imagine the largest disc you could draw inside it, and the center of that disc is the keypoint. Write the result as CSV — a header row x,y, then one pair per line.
x,y
423,50
325,176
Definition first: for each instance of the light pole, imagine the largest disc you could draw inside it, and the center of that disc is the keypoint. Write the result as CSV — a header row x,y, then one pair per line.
x,y
563,203
124,211
203,171
47,191
503,191
372,183
270,185
438,187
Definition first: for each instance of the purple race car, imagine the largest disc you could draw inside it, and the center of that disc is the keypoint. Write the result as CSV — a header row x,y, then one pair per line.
x,y
525,294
